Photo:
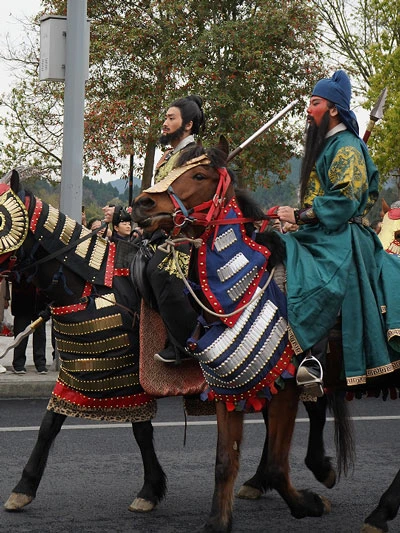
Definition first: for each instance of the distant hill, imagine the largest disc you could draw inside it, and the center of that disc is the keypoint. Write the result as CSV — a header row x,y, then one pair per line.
x,y
122,185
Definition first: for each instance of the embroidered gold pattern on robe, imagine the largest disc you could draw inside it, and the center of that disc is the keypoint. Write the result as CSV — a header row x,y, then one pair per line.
x,y
168,264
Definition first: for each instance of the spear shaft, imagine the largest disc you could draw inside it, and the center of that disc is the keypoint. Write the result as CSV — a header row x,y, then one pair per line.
x,y
266,126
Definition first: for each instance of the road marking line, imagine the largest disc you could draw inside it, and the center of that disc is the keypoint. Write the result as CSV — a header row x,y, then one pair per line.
x,y
112,425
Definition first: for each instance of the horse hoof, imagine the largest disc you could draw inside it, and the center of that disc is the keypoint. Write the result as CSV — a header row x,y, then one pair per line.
x,y
249,493
140,505
327,504
17,501
330,481
367,528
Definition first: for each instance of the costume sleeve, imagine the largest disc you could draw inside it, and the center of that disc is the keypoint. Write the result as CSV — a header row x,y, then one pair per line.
x,y
346,191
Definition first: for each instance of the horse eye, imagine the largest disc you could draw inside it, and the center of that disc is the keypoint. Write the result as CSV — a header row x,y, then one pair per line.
x,y
199,177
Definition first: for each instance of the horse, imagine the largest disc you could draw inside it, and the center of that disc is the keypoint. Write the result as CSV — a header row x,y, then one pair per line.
x,y
192,203
95,311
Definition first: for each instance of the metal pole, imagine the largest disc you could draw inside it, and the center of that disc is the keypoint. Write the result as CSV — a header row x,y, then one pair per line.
x,y
74,103
130,178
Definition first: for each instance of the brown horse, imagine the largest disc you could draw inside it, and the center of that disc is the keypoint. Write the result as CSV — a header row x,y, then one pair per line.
x,y
194,199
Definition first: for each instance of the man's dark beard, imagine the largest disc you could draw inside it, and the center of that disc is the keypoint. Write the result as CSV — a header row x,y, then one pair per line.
x,y
314,141
170,137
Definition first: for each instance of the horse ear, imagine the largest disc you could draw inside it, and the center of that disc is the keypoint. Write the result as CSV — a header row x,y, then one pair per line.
x,y
11,179
14,181
223,144
385,208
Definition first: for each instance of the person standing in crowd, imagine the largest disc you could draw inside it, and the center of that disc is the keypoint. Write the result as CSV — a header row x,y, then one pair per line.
x,y
95,223
26,304
336,265
4,303
122,224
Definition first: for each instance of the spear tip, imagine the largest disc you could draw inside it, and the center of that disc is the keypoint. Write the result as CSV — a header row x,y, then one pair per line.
x,y
379,107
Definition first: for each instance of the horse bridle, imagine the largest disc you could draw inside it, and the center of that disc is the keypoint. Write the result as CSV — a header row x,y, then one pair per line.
x,y
207,213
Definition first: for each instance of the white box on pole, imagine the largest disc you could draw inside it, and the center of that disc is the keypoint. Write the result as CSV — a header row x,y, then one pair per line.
x,y
53,35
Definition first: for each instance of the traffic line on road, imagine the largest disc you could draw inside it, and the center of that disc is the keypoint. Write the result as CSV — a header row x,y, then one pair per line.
x,y
111,425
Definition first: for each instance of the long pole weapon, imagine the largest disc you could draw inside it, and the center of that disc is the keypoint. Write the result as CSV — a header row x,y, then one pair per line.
x,y
376,114
266,126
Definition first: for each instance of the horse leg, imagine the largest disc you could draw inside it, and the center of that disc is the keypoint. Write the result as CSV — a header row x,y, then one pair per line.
x,y
387,509
253,488
316,460
230,432
281,420
155,482
25,490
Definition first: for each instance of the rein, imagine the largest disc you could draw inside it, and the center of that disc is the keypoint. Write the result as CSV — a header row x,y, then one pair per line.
x,y
169,246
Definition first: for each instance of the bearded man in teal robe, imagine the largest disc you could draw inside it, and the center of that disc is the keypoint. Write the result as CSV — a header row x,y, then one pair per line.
x,y
336,266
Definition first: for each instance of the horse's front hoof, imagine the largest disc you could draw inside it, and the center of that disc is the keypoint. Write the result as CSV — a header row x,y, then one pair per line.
x,y
16,501
327,504
246,492
140,505
330,481
367,528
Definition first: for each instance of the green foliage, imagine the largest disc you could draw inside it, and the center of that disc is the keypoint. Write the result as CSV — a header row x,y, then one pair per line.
x,y
364,38
247,59
278,192
96,194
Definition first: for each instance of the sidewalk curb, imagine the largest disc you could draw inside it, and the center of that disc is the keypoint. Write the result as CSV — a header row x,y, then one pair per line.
x,y
29,385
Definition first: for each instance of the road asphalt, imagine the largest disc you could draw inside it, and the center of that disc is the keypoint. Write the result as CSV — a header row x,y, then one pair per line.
x,y
31,384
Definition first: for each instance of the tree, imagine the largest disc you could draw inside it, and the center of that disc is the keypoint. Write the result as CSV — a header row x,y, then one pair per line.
x,y
245,58
364,35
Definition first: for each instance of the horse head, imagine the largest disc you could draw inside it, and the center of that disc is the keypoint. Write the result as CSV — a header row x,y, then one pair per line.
x,y
191,196
14,218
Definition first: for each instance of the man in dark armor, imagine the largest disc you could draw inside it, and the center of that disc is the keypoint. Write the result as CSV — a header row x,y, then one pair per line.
x,y
183,120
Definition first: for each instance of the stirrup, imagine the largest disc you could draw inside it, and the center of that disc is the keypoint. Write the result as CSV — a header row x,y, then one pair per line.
x,y
310,383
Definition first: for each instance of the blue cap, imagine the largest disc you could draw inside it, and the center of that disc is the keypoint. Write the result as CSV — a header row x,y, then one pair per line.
x,y
338,90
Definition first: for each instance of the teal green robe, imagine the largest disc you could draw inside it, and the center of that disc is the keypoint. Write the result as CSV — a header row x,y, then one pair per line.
x,y
337,266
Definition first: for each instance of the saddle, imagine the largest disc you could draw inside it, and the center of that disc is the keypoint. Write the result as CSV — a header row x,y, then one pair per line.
x,y
157,378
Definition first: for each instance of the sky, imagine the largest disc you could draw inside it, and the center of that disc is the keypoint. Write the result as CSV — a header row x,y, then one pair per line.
x,y
11,12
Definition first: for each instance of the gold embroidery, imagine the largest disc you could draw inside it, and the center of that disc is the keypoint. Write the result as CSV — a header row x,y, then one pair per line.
x,y
52,219
294,342
97,256
82,248
98,364
89,326
168,264
393,333
348,174
106,345
106,300
314,189
67,231
373,373
116,382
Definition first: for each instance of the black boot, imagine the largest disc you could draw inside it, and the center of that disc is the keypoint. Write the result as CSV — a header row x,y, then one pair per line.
x,y
172,354
310,372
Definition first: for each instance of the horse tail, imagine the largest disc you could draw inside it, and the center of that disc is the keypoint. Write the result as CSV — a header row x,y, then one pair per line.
x,y
344,432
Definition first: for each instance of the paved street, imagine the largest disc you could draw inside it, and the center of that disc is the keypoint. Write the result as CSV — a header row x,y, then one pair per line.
x,y
94,472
